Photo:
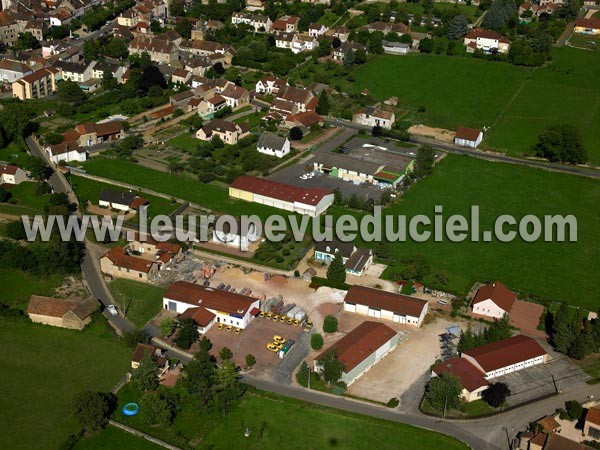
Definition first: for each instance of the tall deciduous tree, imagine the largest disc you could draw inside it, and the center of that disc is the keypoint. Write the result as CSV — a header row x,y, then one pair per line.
x,y
561,143
332,367
93,409
323,103
444,392
145,377
458,27
496,394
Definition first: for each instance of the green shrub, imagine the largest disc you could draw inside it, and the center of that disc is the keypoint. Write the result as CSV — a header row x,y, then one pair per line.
x,y
316,341
330,324
393,403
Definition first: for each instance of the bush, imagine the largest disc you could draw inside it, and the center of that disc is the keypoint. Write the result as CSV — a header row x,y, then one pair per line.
x,y
316,341
574,409
393,403
330,324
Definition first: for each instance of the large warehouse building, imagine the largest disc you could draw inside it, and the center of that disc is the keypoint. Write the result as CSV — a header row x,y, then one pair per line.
x,y
210,305
477,366
308,201
386,305
361,349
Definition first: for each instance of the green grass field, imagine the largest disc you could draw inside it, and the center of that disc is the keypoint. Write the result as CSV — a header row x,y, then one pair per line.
x,y
115,439
517,103
181,186
185,141
89,190
285,422
139,301
26,196
43,368
541,268
19,286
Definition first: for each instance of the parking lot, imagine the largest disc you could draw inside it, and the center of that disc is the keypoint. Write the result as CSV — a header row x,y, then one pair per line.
x,y
543,379
253,340
291,175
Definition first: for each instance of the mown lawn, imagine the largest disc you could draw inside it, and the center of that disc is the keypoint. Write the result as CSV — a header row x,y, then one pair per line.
x,y
19,286
115,439
285,422
25,195
185,141
458,91
562,271
139,301
178,185
89,190
43,368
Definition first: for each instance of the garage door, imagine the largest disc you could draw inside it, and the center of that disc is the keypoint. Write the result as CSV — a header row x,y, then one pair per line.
x,y
172,306
374,313
351,307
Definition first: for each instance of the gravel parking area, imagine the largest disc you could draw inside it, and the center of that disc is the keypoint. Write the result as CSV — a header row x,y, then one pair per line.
x,y
254,339
400,373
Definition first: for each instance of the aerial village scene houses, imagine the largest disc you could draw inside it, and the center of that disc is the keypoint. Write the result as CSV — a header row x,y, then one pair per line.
x,y
167,110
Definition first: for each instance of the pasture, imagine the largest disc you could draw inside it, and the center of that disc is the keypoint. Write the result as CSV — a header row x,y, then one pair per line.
x,y
515,102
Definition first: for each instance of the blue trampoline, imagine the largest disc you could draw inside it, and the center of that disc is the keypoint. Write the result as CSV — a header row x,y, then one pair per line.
x,y
131,409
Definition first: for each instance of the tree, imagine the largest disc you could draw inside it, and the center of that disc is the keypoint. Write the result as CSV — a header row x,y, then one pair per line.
x,y
26,41
227,387
444,392
458,27
167,326
330,324
336,272
303,374
296,134
70,92
324,48
14,230
332,367
349,57
250,360
39,170
184,28
198,378
187,334
145,377
574,409
316,341
495,395
158,407
53,138
225,354
323,104
152,76
426,45
108,81
93,409
360,56
561,143
562,332
424,161
134,337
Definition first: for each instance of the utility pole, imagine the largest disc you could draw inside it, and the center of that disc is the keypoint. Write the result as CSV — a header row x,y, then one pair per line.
x,y
445,403
308,367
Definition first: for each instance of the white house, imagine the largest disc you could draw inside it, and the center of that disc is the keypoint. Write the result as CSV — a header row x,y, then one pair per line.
x,y
229,132
395,48
11,71
356,260
11,174
468,137
67,151
273,145
270,85
487,41
120,200
316,30
309,201
238,238
506,356
256,21
472,379
493,300
76,72
228,308
374,117
361,349
386,305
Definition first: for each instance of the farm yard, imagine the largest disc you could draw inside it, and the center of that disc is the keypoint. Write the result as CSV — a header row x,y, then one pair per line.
x,y
516,102
538,268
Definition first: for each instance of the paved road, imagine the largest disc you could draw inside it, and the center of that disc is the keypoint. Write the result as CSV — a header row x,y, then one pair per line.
x,y
496,157
89,265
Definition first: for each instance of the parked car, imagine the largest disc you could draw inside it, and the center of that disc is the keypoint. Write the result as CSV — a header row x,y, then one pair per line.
x,y
112,310
230,327
272,347
221,326
442,302
278,339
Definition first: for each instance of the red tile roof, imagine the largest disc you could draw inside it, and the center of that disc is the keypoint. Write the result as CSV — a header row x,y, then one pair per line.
x,y
593,416
141,350
471,378
307,119
119,258
498,293
548,424
480,33
196,295
280,191
9,169
468,134
137,202
200,315
591,22
360,343
506,352
558,442
390,301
